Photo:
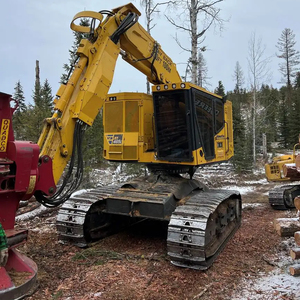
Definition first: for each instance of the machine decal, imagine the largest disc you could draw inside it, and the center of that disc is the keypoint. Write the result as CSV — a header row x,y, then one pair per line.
x,y
4,134
114,139
31,186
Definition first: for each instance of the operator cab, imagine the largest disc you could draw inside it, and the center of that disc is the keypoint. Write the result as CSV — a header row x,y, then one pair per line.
x,y
186,119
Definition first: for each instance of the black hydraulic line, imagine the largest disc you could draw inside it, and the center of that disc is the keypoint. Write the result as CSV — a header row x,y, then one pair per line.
x,y
64,193
106,12
126,23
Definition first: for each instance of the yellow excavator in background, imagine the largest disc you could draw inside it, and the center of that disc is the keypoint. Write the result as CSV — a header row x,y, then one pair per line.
x,y
284,168
173,131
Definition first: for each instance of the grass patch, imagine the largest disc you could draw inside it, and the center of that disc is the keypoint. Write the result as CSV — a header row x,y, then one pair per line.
x,y
97,257
57,295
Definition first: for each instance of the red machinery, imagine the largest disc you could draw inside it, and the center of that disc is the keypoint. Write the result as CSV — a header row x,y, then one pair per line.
x,y
18,173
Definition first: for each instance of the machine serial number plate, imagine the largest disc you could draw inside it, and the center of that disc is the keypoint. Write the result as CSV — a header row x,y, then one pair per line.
x,y
4,134
114,139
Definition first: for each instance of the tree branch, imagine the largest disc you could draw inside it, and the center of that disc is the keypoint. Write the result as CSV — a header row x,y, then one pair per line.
x,y
177,26
178,43
162,3
203,7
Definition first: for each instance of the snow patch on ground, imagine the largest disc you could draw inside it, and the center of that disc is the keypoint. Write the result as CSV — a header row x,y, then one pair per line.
x,y
251,205
241,189
276,285
261,181
31,214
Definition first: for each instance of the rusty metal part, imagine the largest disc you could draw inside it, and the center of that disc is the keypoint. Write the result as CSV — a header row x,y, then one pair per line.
x,y
282,198
200,229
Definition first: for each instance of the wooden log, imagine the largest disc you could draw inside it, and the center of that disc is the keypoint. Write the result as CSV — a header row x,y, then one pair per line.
x,y
290,171
297,237
297,202
295,253
295,270
287,226
297,161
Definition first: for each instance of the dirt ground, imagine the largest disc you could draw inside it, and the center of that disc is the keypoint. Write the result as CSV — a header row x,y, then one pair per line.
x,y
133,263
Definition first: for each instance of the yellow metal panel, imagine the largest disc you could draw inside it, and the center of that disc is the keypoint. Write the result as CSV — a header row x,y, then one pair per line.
x,y
131,139
113,117
131,116
130,153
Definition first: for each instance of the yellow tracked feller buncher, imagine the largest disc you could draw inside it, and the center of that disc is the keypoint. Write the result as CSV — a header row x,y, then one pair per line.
x,y
284,168
173,131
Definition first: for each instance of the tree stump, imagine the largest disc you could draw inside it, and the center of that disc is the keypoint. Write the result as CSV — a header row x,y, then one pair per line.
x,y
291,171
295,270
297,202
295,253
297,237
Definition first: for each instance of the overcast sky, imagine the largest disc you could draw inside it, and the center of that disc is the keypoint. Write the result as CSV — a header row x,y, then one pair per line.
x,y
40,30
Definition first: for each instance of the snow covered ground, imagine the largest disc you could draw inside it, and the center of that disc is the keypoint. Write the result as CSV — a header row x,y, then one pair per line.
x,y
278,284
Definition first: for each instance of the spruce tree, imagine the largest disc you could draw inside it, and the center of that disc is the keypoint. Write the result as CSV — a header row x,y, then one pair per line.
x,y
18,116
78,36
220,90
46,98
202,77
283,119
242,150
41,108
291,57
269,99
294,126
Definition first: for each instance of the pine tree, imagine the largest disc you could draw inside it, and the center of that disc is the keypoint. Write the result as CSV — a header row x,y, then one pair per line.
x,y
297,81
78,36
93,149
291,57
46,98
202,78
19,97
269,99
20,112
220,90
41,108
294,126
283,118
242,149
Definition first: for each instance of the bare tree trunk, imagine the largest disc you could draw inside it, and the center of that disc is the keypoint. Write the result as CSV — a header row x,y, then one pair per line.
x,y
37,74
258,71
194,41
254,127
199,14
265,153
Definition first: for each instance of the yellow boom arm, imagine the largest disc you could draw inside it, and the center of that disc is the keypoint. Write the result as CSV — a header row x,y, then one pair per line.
x,y
84,94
